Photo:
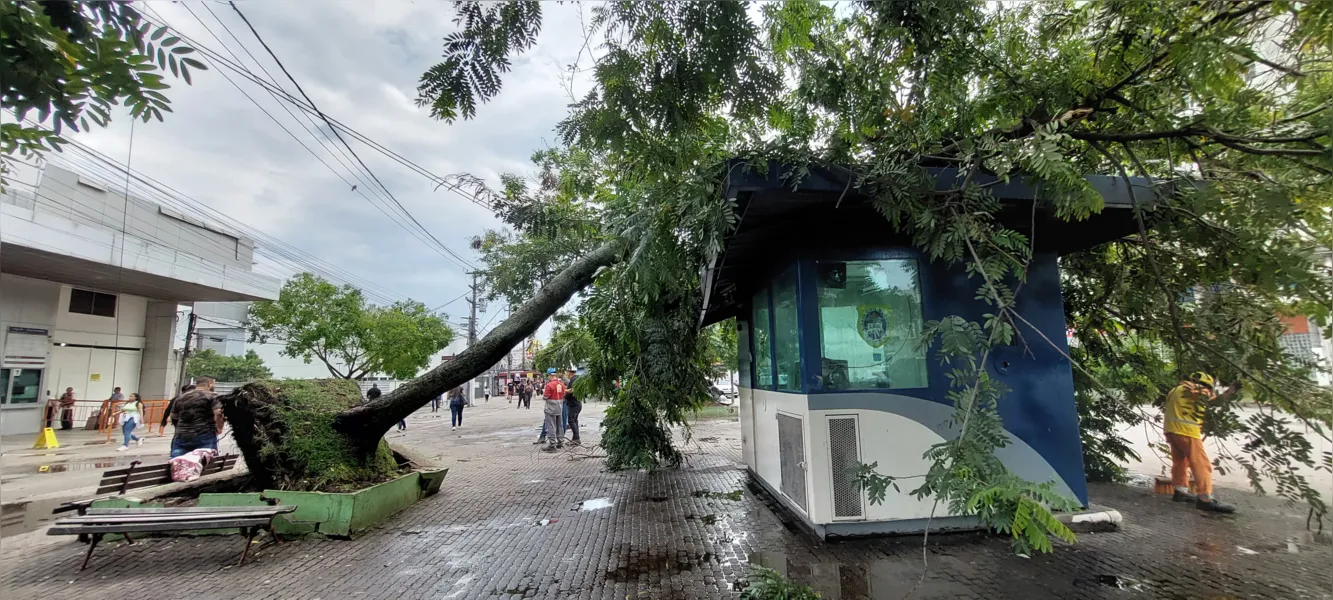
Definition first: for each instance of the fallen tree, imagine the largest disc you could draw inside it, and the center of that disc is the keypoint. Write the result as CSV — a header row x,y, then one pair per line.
x,y
317,435
284,429
366,424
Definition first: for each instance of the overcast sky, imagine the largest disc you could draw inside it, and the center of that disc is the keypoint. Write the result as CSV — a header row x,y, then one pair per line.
x,y
360,61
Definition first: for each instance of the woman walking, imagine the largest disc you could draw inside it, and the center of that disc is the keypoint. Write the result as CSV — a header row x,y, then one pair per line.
x,y
131,412
456,403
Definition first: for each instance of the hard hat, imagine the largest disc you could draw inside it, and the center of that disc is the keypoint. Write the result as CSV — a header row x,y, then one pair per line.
x,y
1202,377
550,371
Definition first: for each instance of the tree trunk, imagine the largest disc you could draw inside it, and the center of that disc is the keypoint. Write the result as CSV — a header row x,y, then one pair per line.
x,y
365,425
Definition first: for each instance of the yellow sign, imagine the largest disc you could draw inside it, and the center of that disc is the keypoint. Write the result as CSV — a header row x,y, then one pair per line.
x,y
47,439
95,377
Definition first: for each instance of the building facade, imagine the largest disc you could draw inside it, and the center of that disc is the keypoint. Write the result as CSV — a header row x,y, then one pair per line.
x,y
220,327
91,286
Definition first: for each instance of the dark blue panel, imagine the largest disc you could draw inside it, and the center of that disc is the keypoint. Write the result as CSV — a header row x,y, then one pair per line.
x,y
1039,409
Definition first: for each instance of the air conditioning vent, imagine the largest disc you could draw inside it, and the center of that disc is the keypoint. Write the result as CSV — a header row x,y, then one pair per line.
x,y
844,459
791,458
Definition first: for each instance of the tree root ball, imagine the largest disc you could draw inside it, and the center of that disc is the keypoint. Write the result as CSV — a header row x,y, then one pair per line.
x,y
285,430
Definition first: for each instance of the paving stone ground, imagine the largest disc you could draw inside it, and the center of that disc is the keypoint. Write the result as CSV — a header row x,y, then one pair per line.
x,y
662,539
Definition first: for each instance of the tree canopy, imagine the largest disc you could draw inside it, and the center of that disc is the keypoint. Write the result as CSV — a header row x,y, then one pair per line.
x,y
1224,106
208,363
71,62
316,319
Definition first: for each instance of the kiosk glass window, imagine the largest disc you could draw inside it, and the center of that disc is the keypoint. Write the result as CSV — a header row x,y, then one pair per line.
x,y
786,337
763,353
870,325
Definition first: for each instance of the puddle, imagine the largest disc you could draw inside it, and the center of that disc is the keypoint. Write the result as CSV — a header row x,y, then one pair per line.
x,y
92,464
595,504
873,580
632,567
1322,538
1141,480
1121,583
22,517
734,495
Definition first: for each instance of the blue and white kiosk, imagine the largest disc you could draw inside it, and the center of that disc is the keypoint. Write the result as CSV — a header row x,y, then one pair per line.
x,y
830,301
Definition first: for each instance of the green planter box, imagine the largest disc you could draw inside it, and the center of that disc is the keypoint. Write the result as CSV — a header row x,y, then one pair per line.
x,y
338,515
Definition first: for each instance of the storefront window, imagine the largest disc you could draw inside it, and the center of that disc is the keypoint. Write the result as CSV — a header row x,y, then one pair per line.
x,y
763,355
870,325
20,386
786,337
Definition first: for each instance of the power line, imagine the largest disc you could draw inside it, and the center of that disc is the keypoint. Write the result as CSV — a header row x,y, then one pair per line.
x,y
283,251
273,89
382,206
338,135
460,297
167,195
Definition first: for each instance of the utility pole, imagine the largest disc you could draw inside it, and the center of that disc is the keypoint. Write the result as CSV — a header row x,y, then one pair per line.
x,y
185,354
472,330
509,361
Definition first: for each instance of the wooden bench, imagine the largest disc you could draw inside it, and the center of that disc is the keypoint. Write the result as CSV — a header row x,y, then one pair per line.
x,y
118,481
101,521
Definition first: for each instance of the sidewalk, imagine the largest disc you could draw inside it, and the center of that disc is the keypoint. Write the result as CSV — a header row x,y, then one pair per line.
x,y
654,535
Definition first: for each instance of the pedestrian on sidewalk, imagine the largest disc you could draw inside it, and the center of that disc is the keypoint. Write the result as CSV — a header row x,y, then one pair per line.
x,y
435,403
166,414
131,413
1183,427
524,395
456,405
573,406
67,409
198,417
553,431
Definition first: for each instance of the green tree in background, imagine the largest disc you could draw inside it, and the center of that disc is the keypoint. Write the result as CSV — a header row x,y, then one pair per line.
x,y
722,347
71,62
208,363
352,338
570,346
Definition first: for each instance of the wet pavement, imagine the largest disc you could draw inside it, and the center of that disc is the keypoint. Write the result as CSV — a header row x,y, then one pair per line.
x,y
33,481
514,522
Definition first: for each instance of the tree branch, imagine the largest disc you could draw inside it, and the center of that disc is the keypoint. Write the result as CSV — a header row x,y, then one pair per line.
x,y
1152,259
366,424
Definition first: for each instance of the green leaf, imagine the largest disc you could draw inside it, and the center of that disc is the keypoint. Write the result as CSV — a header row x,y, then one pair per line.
x,y
161,31
171,41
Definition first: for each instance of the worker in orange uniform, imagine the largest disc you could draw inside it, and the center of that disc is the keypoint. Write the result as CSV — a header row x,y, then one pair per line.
x,y
1184,434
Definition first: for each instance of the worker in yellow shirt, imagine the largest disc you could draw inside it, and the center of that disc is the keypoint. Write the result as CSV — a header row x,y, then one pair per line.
x,y
1184,434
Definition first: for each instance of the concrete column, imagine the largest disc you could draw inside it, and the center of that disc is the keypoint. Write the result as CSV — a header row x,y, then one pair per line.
x,y
159,369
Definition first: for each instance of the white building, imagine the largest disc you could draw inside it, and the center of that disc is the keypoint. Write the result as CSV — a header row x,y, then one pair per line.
x,y
90,284
220,327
